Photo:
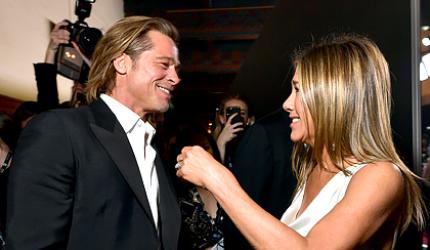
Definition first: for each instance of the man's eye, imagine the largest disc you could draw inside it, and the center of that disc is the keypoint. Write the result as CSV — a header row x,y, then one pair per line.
x,y
165,65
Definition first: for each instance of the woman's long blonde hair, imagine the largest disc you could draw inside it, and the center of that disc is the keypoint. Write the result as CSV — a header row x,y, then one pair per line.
x,y
346,88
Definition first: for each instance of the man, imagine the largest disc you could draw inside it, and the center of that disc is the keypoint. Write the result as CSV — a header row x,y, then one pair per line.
x,y
89,178
262,165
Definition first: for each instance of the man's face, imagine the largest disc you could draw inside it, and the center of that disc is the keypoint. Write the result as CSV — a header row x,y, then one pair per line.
x,y
147,84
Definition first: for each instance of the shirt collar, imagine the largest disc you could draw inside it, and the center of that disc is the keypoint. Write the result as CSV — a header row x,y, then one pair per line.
x,y
126,117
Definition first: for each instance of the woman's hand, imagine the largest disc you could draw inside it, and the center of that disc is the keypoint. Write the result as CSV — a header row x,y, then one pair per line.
x,y
230,130
227,134
199,167
59,35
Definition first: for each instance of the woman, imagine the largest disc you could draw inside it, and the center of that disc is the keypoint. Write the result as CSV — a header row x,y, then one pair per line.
x,y
232,120
201,218
354,191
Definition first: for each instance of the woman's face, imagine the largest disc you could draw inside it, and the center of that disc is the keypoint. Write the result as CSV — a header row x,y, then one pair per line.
x,y
300,118
235,103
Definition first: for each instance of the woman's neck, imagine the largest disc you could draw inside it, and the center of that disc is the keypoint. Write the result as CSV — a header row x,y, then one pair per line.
x,y
328,165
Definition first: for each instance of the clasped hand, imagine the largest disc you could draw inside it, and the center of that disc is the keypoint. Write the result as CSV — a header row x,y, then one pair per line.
x,y
199,167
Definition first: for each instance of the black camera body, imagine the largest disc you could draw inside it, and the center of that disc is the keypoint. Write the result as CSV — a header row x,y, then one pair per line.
x,y
84,36
70,63
229,111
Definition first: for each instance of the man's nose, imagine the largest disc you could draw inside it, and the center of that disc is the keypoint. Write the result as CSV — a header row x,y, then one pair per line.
x,y
173,76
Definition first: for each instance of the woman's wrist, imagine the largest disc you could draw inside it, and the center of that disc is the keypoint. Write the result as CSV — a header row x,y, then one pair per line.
x,y
219,179
50,56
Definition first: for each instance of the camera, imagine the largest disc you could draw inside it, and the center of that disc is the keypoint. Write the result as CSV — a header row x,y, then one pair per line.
x,y
229,111
70,63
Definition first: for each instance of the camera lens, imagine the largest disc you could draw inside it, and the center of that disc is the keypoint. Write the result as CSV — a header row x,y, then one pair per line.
x,y
87,40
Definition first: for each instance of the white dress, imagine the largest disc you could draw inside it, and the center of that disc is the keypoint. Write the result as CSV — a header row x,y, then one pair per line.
x,y
331,194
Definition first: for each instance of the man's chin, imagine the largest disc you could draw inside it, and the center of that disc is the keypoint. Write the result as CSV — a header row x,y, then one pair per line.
x,y
164,108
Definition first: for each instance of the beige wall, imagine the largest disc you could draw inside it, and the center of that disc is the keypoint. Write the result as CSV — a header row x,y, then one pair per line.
x,y
24,35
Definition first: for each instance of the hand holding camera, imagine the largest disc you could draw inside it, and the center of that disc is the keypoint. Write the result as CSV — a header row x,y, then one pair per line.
x,y
72,56
58,36
235,113
232,126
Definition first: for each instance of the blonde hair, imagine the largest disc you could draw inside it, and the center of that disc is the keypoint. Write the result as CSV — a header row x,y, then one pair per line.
x,y
129,36
345,84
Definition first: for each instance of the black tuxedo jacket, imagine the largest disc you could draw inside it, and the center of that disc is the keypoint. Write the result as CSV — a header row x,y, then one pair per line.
x,y
262,165
75,184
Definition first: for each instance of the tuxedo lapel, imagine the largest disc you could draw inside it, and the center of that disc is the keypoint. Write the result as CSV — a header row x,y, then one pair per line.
x,y
168,207
111,135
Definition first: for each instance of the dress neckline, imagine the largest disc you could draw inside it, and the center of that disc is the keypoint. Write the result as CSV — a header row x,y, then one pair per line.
x,y
326,186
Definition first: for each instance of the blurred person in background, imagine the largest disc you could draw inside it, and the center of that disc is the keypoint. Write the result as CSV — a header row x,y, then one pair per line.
x,y
23,114
201,216
46,72
7,141
262,166
232,121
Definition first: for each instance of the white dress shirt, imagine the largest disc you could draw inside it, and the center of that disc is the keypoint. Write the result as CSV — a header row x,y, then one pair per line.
x,y
139,134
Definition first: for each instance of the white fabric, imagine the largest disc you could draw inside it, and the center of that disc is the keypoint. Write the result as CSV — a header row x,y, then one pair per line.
x,y
139,134
330,195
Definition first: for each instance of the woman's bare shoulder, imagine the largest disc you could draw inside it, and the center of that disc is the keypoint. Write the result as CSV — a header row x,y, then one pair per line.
x,y
383,170
380,178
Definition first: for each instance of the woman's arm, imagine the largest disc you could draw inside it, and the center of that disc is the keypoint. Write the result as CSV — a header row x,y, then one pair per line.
x,y
259,227
227,134
373,194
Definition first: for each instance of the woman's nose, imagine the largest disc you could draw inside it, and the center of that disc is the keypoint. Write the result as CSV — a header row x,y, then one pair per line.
x,y
288,104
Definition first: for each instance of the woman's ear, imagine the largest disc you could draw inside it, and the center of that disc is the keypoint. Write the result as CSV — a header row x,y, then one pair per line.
x,y
121,64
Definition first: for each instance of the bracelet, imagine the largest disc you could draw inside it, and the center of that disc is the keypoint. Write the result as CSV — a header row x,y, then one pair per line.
x,y
5,164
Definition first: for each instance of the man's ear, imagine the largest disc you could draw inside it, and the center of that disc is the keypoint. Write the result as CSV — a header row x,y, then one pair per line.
x,y
121,64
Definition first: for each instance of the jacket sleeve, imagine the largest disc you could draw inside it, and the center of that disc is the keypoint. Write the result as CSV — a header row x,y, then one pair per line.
x,y
252,168
253,162
41,186
46,80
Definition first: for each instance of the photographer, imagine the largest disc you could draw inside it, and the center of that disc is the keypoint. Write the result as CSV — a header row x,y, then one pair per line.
x,y
46,73
233,119
67,37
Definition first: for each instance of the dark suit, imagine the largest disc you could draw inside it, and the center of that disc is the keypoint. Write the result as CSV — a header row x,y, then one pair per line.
x,y
263,168
75,184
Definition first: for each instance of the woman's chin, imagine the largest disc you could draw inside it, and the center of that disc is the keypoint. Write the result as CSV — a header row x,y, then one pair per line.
x,y
295,139
300,139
